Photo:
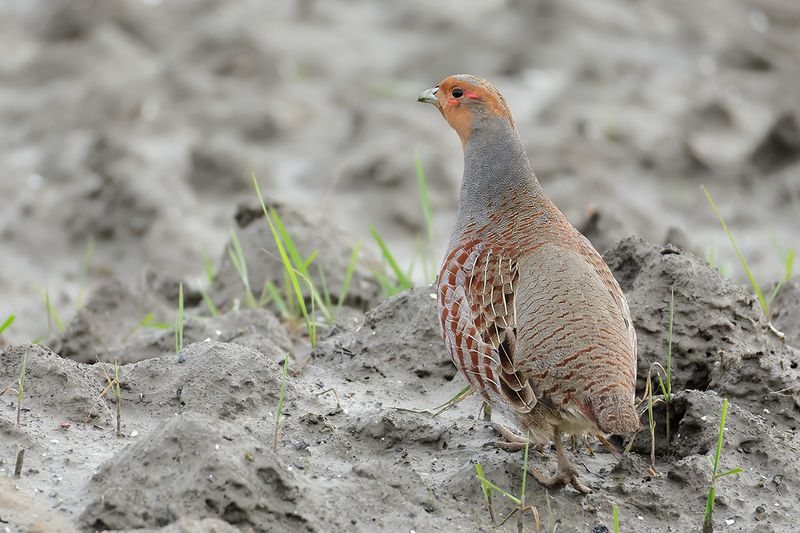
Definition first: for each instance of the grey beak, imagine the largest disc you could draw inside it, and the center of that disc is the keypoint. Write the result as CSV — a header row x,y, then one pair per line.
x,y
429,96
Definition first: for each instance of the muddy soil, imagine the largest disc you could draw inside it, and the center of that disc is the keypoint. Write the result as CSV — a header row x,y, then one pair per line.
x,y
129,132
356,450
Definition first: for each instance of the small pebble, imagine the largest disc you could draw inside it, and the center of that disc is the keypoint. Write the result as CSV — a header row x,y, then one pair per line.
x,y
761,512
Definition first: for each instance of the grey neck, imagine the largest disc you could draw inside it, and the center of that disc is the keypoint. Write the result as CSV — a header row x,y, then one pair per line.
x,y
496,168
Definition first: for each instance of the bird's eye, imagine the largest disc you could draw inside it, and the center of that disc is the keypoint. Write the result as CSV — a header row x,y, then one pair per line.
x,y
458,92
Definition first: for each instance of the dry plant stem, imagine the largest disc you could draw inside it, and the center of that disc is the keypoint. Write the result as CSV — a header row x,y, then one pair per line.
x,y
119,398
21,386
781,335
335,395
280,404
113,385
605,442
18,464
652,426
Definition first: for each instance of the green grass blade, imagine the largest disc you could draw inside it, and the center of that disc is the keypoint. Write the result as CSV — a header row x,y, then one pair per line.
x,y
208,267
787,275
7,323
616,519
294,253
753,282
179,319
524,471
388,288
348,276
402,280
310,326
237,257
487,493
721,434
308,261
275,296
326,304
497,489
669,343
53,317
212,308
708,519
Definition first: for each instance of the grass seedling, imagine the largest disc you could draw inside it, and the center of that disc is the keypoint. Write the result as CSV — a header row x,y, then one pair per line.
x,y
236,255
666,388
652,424
787,275
271,293
53,317
487,486
212,308
402,280
708,525
460,395
348,275
179,320
422,183
208,267
5,325
616,519
761,300
486,490
148,322
279,411
310,320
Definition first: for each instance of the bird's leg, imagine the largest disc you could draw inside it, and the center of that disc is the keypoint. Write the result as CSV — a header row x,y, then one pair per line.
x,y
513,442
566,474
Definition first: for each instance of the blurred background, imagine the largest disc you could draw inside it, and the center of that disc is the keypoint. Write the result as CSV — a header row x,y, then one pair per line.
x,y
129,129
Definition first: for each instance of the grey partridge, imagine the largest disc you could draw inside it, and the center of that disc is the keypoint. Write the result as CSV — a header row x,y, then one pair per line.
x,y
529,311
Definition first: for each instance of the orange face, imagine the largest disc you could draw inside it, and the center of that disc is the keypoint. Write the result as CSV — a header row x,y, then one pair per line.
x,y
465,100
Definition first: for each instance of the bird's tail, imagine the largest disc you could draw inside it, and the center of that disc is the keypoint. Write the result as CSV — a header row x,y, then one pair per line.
x,y
616,413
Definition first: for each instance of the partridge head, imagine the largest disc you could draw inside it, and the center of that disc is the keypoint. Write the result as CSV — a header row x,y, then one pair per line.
x,y
529,311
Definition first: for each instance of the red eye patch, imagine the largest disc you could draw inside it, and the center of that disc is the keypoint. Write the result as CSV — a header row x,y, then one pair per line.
x,y
470,95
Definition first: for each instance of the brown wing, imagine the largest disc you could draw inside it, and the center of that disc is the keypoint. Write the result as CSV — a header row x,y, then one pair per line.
x,y
477,286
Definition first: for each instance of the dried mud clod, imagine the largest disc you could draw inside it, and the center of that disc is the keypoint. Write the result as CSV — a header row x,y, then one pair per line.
x,y
56,389
721,340
200,467
108,328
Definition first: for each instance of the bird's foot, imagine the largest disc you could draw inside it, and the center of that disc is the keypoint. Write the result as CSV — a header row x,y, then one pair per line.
x,y
513,442
566,474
